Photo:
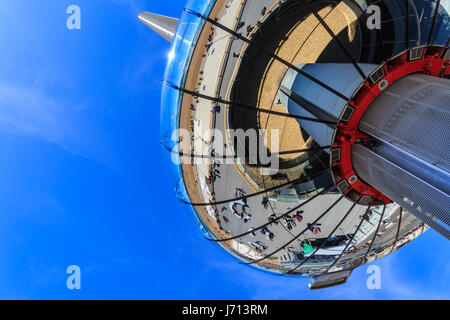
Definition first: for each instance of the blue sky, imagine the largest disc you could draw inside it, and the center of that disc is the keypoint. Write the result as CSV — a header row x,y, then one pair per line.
x,y
84,180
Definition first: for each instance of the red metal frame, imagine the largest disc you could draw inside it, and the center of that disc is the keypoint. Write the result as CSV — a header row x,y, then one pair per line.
x,y
347,134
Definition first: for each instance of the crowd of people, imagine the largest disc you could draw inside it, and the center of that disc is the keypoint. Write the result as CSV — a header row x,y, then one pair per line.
x,y
239,208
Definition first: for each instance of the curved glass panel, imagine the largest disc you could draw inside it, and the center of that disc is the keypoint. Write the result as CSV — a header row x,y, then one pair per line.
x,y
183,43
443,25
439,28
357,249
180,191
387,234
275,219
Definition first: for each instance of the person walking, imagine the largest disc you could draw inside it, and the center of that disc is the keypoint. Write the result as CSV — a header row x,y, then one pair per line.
x,y
265,202
298,216
263,11
272,219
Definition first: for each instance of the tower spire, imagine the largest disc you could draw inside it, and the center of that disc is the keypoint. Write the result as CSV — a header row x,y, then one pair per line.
x,y
162,25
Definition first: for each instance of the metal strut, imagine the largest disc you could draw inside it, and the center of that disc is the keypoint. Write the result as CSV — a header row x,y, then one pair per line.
x,y
398,229
323,244
280,217
299,235
430,36
335,38
299,180
373,240
225,157
408,25
241,105
345,248
286,63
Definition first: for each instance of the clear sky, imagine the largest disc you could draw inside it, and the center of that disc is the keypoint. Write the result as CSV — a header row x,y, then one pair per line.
x,y
84,180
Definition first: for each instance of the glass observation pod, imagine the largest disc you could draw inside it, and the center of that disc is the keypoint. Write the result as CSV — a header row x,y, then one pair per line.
x,y
259,102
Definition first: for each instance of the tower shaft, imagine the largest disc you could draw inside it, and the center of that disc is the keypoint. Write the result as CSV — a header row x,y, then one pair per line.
x,y
411,165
